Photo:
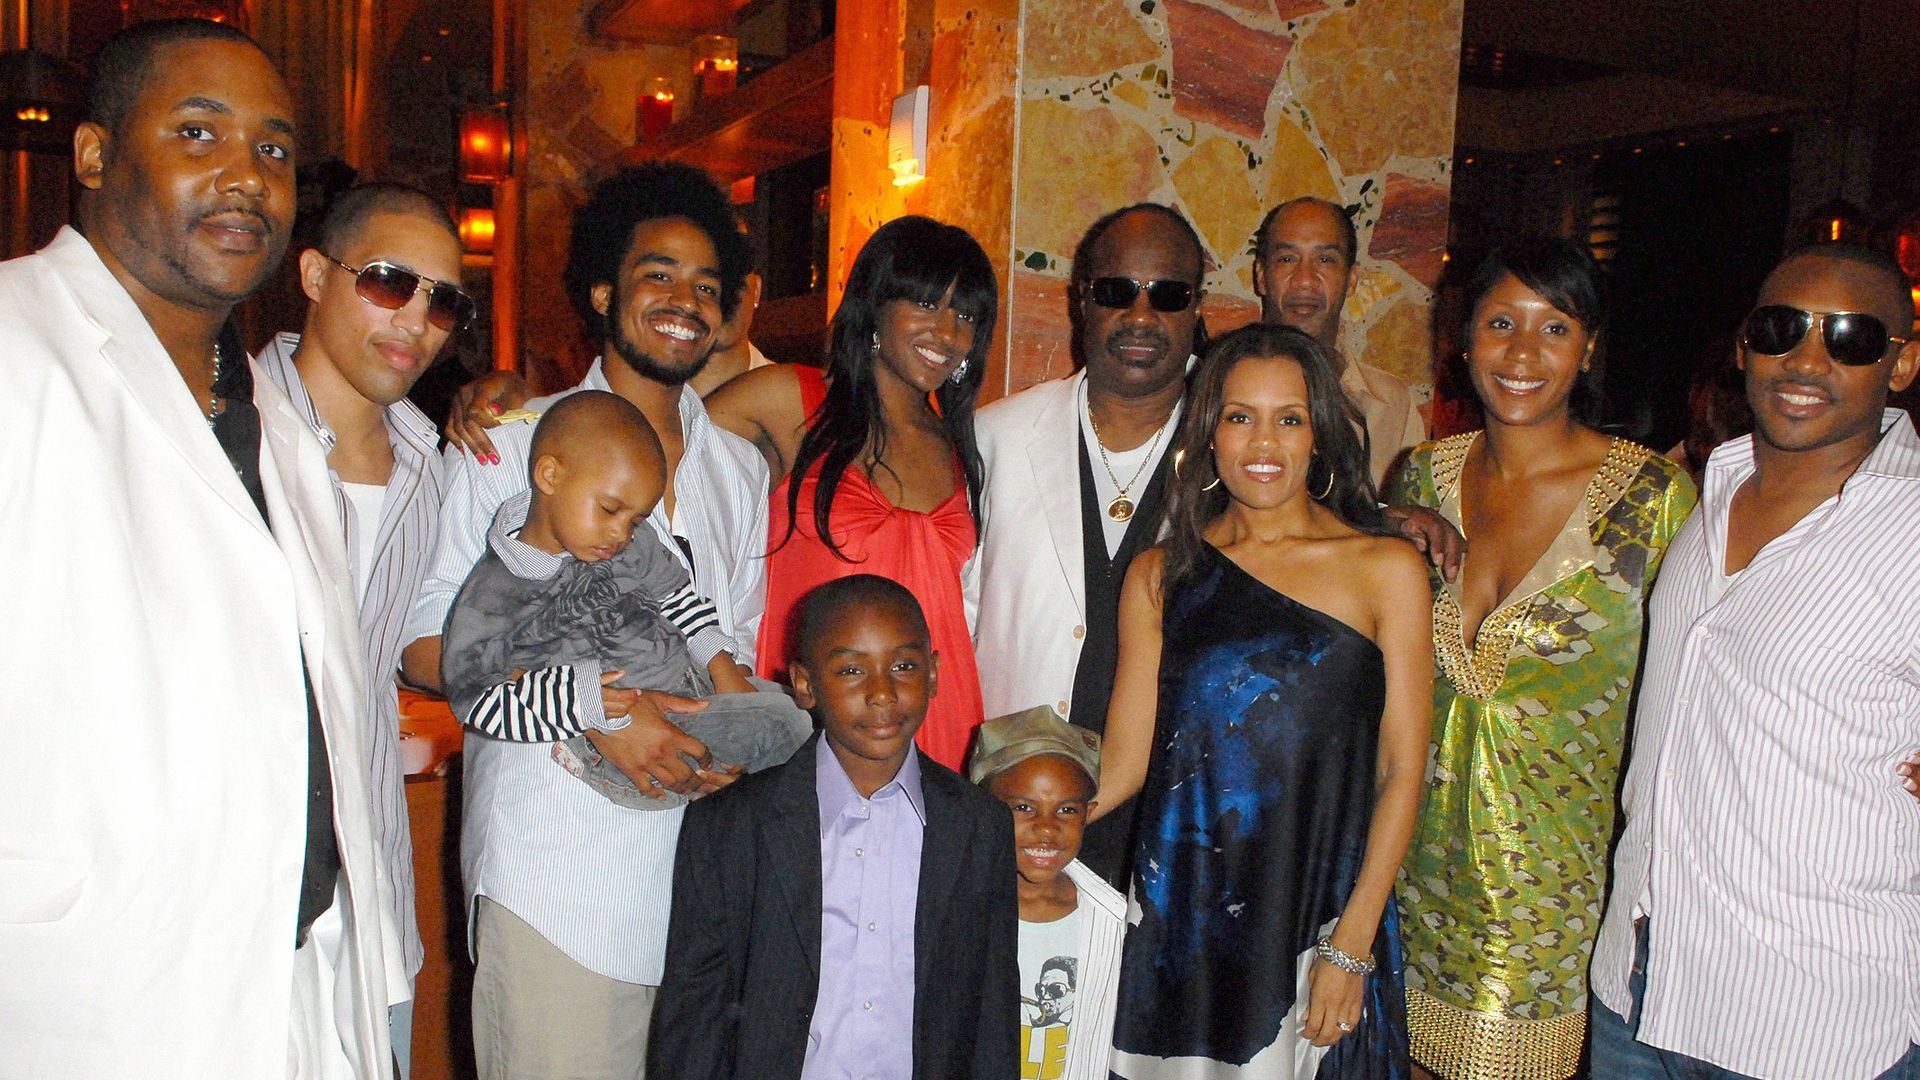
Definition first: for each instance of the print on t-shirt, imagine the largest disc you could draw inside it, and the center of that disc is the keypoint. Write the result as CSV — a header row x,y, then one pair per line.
x,y
1050,971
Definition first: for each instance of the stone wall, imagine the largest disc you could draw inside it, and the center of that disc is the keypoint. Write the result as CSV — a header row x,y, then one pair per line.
x,y
1049,113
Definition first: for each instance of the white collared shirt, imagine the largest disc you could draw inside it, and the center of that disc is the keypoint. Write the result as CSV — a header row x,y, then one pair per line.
x,y
398,541
592,877
1768,839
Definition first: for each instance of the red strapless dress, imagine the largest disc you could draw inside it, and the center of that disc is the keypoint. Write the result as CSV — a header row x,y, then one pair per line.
x,y
923,551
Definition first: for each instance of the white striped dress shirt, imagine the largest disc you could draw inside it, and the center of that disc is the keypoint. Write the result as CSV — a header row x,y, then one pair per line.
x,y
1768,840
402,541
592,877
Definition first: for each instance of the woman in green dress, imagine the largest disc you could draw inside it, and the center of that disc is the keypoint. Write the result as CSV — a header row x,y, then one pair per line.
x,y
1536,645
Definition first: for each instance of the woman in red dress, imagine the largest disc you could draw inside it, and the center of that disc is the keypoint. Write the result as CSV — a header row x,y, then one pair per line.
x,y
874,463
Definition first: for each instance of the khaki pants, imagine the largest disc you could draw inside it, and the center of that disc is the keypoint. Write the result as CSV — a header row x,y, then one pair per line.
x,y
539,1015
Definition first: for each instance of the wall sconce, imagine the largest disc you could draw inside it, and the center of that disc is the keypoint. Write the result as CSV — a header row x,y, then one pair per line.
x,y
476,230
486,146
907,138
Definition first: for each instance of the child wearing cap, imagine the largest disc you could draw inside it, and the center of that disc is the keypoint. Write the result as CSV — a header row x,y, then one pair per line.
x,y
1071,921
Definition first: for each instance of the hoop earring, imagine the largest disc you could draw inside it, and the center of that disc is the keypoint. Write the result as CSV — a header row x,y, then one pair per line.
x,y
1215,484
874,345
1328,490
959,374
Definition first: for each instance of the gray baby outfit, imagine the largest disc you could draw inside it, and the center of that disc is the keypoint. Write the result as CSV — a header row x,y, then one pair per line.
x,y
563,622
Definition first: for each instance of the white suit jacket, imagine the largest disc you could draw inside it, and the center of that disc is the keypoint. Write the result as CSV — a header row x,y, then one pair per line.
x,y
1026,583
153,725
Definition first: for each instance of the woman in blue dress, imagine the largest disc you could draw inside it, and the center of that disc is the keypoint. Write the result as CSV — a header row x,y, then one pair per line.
x,y
1272,712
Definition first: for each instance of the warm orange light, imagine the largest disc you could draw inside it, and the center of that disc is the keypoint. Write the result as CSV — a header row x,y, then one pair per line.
x,y
741,191
476,229
33,113
486,146
1836,226
656,110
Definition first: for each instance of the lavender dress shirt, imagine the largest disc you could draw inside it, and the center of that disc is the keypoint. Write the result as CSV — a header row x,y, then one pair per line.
x,y
869,893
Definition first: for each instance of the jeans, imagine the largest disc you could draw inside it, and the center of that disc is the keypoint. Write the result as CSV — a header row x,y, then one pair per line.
x,y
1618,1055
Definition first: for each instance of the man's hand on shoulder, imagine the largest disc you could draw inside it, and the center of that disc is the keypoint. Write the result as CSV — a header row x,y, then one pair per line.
x,y
1433,534
1909,771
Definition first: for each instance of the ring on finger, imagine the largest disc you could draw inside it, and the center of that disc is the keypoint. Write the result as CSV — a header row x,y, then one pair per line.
x,y
1343,1025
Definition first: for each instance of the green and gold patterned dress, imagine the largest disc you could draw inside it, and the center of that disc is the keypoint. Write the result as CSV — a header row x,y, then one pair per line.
x,y
1502,888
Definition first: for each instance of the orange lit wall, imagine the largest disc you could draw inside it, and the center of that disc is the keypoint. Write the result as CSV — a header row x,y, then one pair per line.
x,y
1048,113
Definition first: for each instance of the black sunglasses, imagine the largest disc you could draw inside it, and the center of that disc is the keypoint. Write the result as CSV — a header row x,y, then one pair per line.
x,y
385,285
1119,293
1851,338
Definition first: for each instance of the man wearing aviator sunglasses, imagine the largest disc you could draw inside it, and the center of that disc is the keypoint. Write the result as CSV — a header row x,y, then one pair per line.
x,y
378,316
1779,707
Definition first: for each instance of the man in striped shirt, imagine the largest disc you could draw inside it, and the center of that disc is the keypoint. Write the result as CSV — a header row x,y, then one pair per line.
x,y
568,894
347,375
1765,917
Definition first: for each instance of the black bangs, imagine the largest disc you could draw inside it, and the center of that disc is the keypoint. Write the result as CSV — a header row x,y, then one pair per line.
x,y
942,256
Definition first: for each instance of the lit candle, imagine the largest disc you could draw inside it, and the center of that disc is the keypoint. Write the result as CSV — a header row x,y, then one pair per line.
x,y
656,107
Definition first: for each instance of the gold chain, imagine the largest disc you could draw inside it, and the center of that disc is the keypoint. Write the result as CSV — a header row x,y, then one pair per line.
x,y
1121,508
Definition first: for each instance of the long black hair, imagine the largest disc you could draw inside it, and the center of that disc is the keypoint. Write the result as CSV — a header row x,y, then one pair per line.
x,y
1194,496
1564,275
909,258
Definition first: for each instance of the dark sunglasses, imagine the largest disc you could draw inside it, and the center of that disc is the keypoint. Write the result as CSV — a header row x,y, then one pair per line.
x,y
1851,338
1119,293
385,285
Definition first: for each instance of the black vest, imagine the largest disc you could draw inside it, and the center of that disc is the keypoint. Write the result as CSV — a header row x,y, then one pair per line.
x,y
1107,846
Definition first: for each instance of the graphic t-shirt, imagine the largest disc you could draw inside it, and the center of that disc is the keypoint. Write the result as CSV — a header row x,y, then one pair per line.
x,y
1049,979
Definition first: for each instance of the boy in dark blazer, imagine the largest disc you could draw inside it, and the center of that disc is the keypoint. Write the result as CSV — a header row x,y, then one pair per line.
x,y
850,913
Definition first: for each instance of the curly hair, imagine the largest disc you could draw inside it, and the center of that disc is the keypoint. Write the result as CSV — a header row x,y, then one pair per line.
x,y
1194,495
909,258
603,230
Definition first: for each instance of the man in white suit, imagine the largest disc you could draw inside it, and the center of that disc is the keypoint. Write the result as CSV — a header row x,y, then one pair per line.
x,y
1075,471
187,879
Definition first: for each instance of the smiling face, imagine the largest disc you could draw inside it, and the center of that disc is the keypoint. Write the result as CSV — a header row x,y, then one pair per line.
x,y
1804,400
192,198
922,343
379,353
1049,796
1525,355
1263,440
1137,352
867,676
666,310
1308,271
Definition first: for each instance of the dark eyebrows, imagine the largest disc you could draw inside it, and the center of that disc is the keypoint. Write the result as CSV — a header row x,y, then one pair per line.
x,y
274,124
667,260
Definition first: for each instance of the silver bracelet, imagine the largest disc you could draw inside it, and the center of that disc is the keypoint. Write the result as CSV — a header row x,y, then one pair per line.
x,y
1344,961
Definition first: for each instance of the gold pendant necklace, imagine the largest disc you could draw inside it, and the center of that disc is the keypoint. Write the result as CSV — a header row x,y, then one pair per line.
x,y
1122,506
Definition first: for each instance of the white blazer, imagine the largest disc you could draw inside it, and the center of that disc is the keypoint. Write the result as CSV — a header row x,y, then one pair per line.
x,y
153,723
1026,582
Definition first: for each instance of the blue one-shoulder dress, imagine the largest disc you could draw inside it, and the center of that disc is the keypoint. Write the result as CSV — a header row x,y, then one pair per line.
x,y
1253,830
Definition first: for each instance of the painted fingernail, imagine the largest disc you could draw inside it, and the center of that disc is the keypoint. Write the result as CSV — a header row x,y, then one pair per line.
x,y
1910,784
494,406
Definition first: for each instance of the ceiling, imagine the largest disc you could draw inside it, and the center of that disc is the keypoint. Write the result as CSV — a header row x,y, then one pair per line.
x,y
1640,66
